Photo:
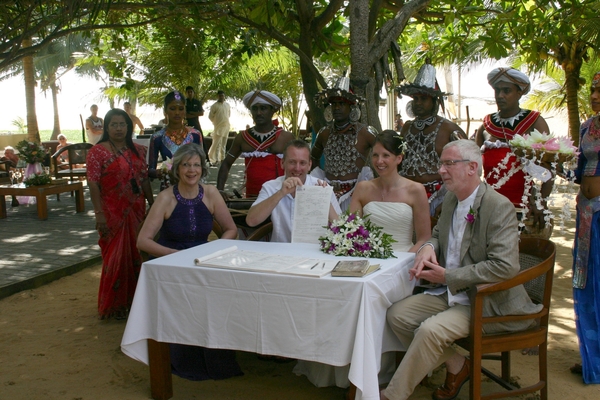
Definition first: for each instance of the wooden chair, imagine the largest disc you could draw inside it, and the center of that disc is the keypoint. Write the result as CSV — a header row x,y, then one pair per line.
x,y
216,229
76,163
5,172
262,232
536,258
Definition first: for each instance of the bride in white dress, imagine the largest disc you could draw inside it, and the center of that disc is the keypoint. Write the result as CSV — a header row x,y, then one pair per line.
x,y
399,206
391,201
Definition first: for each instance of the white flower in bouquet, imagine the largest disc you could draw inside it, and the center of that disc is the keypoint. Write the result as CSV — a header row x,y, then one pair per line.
x,y
351,235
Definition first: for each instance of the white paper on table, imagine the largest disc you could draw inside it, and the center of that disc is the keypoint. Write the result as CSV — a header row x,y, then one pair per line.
x,y
247,260
311,213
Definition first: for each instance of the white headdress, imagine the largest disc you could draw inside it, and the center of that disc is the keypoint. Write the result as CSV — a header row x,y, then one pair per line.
x,y
509,75
261,97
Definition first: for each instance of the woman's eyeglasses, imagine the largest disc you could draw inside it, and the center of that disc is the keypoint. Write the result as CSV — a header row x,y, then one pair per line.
x,y
191,166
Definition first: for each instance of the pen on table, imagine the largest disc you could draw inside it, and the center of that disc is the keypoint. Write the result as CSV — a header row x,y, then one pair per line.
x,y
314,265
322,265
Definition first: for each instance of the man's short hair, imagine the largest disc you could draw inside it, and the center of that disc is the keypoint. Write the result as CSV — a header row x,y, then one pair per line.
x,y
297,143
468,150
220,92
126,103
188,88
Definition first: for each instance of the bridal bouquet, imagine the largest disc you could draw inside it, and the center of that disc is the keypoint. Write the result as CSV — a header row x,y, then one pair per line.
x,y
351,235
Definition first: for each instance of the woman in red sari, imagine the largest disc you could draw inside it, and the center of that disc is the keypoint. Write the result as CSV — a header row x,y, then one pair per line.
x,y
117,176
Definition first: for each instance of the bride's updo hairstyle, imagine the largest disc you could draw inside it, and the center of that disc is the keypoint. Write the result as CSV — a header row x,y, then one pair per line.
x,y
392,142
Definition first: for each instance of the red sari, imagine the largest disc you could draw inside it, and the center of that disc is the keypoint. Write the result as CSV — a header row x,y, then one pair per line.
x,y
124,211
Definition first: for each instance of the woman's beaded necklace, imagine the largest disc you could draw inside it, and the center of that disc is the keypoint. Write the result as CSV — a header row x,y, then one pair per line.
x,y
177,136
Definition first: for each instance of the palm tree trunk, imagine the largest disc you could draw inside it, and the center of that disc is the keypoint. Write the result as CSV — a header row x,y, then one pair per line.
x,y
571,65
56,130
33,134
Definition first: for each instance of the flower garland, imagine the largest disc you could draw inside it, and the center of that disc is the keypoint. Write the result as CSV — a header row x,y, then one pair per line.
x,y
537,148
31,152
351,235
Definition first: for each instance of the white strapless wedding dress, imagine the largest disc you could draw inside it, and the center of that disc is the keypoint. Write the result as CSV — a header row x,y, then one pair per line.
x,y
396,219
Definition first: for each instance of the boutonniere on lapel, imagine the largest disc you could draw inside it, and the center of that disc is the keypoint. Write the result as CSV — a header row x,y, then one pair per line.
x,y
470,217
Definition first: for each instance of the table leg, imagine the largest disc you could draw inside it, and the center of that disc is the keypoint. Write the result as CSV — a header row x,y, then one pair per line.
x,y
2,206
42,205
79,203
351,393
159,360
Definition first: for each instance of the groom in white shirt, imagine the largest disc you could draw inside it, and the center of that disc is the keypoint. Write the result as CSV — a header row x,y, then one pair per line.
x,y
276,198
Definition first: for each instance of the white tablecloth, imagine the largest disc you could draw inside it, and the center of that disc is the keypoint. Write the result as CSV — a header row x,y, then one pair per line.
x,y
336,321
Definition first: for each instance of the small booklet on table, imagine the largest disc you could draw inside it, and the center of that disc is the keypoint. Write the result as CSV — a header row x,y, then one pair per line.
x,y
354,268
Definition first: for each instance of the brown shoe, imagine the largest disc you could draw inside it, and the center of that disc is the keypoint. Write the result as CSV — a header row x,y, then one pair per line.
x,y
450,389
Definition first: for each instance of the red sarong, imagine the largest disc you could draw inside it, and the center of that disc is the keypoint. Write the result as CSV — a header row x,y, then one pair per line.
x,y
260,170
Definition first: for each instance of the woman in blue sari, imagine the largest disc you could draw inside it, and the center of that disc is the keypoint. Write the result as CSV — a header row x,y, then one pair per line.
x,y
586,253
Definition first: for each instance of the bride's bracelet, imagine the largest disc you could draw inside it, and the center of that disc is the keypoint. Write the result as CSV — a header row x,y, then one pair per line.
x,y
425,244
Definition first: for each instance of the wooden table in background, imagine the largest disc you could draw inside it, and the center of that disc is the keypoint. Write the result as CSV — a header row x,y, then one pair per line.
x,y
40,193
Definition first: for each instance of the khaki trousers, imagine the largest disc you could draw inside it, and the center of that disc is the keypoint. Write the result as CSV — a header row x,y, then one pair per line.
x,y
426,326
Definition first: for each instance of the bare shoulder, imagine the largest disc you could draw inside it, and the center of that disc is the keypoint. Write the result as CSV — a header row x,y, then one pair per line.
x,y
210,190
541,125
165,197
285,137
452,130
365,186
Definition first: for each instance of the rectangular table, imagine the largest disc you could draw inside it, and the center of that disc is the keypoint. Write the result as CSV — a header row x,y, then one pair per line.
x,y
40,193
336,321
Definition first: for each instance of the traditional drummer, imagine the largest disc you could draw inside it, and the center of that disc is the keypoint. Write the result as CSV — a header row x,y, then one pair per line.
x,y
501,169
345,142
426,135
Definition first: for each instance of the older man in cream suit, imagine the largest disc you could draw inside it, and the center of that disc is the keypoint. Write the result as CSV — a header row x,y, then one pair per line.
x,y
475,241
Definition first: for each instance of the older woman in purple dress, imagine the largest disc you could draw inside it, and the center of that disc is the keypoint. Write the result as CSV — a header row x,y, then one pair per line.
x,y
183,215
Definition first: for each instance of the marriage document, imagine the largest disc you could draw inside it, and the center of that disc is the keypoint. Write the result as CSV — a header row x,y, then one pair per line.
x,y
311,213
247,260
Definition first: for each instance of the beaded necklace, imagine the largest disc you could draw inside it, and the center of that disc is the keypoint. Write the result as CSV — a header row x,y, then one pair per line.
x,y
177,136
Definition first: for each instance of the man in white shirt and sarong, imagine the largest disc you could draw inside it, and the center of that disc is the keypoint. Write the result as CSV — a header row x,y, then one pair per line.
x,y
219,115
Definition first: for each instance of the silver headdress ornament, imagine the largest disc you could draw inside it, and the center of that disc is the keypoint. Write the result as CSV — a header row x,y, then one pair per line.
x,y
424,83
341,89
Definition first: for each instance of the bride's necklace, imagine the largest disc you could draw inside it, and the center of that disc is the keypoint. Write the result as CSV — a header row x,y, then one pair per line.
x,y
421,124
387,192
177,136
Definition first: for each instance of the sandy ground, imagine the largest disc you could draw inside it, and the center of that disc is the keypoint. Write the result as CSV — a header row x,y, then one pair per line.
x,y
53,346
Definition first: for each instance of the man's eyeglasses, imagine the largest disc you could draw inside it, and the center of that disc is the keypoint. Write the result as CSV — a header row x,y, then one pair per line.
x,y
450,163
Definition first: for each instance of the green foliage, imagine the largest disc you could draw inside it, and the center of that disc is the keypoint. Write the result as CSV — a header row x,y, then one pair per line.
x,y
37,180
20,124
